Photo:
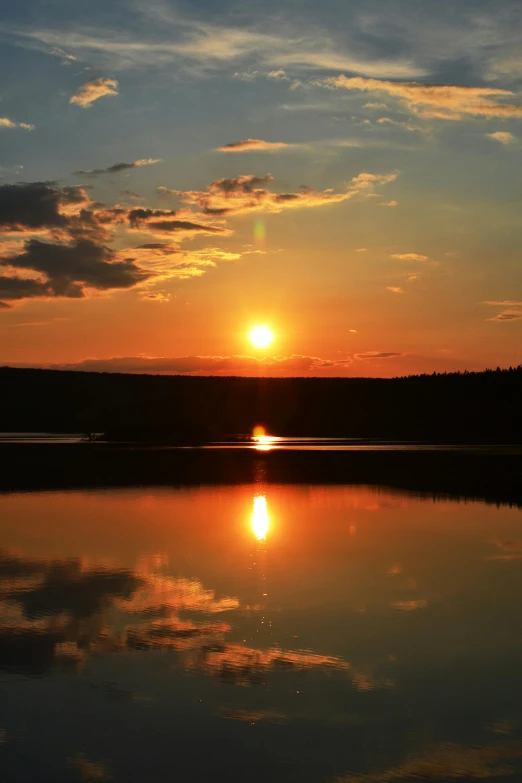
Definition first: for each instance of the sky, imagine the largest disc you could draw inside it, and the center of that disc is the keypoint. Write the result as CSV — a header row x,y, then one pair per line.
x,y
346,173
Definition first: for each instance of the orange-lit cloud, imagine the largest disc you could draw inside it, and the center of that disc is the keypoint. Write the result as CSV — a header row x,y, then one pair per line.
x,y
249,193
5,122
410,257
75,257
504,303
442,101
162,594
409,606
93,90
249,145
507,316
504,137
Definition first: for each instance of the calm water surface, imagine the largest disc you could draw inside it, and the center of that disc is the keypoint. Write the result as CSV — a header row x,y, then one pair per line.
x,y
259,633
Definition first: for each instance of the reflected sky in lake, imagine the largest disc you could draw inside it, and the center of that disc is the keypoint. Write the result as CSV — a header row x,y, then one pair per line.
x,y
259,632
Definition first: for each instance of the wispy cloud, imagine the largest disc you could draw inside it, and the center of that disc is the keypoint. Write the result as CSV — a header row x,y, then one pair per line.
x,y
504,137
5,122
441,101
512,310
167,37
118,167
507,315
410,257
504,303
93,90
395,289
249,145
377,355
399,124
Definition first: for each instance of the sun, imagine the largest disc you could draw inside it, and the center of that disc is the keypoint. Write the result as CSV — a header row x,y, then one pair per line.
x,y
261,336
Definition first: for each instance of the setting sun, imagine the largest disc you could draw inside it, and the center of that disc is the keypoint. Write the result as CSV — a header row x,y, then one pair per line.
x,y
261,336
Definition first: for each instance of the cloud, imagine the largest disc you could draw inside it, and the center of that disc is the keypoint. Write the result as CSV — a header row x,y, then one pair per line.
x,y
374,105
76,619
504,303
395,290
442,101
67,270
156,296
7,123
167,222
249,193
130,194
376,355
67,59
201,47
507,315
70,213
449,761
202,365
513,311
410,257
117,167
249,145
361,249
38,206
408,606
389,204
75,260
397,124
93,90
510,66
502,136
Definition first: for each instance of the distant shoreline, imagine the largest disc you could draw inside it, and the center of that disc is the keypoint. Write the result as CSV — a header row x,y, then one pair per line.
x,y
493,474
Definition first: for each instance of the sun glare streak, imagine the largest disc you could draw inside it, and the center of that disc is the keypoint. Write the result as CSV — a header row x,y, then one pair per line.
x,y
261,336
260,520
262,441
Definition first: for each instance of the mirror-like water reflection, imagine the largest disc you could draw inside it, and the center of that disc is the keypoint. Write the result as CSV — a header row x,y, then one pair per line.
x,y
256,633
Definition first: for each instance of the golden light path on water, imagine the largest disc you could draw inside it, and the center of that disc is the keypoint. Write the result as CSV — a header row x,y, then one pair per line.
x,y
260,520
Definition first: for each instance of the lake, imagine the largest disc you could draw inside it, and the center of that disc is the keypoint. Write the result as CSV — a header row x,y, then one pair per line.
x,y
259,632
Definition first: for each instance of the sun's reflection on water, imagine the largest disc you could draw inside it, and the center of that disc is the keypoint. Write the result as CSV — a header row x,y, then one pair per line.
x,y
260,520
263,441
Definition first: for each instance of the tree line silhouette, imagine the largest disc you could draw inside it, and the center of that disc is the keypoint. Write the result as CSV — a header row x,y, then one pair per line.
x,y
468,407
